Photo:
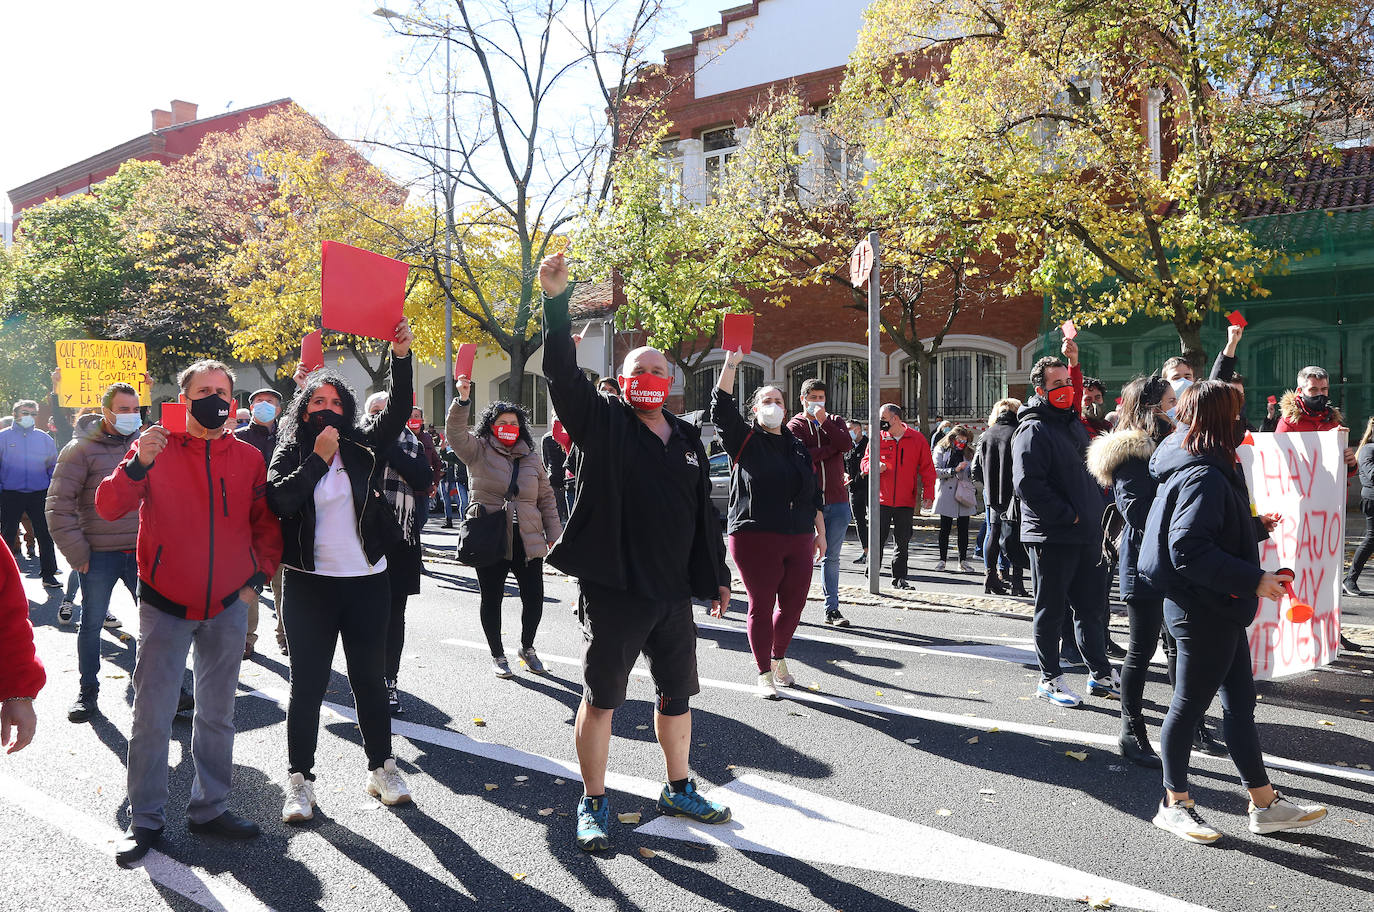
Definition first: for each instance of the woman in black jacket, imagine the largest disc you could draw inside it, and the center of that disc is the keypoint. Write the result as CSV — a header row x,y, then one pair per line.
x,y
776,525
1121,461
992,466
326,484
1201,549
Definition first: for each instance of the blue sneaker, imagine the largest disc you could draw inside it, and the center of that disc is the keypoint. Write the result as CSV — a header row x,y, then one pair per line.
x,y
1056,692
1108,688
689,803
593,824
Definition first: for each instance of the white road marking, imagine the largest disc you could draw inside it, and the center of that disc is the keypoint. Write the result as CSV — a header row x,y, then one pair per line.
x,y
988,652
781,819
210,892
818,828
1049,732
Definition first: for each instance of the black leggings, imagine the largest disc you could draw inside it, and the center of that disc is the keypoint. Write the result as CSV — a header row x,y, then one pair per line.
x,y
396,631
1366,546
318,611
529,576
1147,622
946,522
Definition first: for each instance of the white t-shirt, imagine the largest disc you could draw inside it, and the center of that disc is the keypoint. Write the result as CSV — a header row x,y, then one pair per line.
x,y
338,547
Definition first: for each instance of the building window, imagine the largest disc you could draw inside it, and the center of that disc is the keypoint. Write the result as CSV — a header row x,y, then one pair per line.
x,y
719,146
534,399
962,384
841,163
846,381
696,392
674,170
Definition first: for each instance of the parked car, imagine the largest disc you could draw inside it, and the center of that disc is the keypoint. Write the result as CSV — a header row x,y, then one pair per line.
x,y
720,484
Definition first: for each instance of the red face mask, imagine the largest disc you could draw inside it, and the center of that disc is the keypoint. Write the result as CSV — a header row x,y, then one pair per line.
x,y
1060,397
958,444
507,433
415,424
646,392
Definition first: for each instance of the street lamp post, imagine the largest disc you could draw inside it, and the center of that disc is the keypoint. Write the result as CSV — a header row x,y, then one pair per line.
x,y
385,13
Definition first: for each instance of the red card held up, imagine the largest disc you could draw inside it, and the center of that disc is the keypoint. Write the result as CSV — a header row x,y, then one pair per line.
x,y
463,360
1068,329
1273,400
1237,319
361,293
312,350
173,417
737,332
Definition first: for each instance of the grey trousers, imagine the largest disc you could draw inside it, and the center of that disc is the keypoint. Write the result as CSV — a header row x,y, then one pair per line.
x,y
252,638
163,643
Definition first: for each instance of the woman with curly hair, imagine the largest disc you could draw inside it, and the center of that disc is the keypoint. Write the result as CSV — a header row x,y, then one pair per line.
x,y
326,484
503,446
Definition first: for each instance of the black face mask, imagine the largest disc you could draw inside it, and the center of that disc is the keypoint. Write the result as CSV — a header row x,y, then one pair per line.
x,y
884,425
210,412
1316,403
324,418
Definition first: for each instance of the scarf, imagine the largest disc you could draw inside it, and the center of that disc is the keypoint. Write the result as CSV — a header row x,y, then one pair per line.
x,y
399,494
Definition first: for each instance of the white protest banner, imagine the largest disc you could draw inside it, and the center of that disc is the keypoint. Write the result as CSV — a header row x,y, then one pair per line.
x,y
1302,477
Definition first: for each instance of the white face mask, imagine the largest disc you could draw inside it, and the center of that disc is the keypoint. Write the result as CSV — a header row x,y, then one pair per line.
x,y
813,407
770,415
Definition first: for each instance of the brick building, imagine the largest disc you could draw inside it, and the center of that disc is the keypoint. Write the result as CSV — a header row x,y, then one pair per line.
x,y
725,71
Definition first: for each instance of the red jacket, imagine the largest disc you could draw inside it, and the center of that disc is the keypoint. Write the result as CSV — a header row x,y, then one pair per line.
x,y
827,442
204,528
21,674
910,475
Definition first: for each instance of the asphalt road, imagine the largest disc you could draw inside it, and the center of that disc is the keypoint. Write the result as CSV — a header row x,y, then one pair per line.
x,y
910,769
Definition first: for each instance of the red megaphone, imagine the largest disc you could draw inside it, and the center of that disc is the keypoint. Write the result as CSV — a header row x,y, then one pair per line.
x,y
1298,612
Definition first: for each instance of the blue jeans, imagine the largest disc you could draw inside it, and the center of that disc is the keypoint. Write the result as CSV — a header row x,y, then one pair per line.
x,y
448,502
97,585
837,517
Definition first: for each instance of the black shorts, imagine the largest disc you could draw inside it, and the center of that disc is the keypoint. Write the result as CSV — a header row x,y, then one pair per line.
x,y
617,626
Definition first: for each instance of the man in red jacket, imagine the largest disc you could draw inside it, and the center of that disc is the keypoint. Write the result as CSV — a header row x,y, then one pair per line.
x,y
827,437
21,674
907,478
207,543
1309,408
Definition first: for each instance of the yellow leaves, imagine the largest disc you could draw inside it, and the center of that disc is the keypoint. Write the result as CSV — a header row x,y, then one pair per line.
x,y
631,818
491,786
645,852
1080,756
480,723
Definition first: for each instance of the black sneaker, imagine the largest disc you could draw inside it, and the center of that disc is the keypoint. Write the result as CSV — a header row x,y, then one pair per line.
x,y
85,705
1115,650
50,582
186,702
1350,587
1206,742
900,584
861,559
835,619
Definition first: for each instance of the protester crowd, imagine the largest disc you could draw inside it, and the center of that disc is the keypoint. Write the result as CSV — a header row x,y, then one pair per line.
x,y
321,500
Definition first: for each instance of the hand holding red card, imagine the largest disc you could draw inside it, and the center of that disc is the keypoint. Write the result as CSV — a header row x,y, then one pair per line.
x,y
312,351
361,293
463,360
1237,319
1070,331
737,333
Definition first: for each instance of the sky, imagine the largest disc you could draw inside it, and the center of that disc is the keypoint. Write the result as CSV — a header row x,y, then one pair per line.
x,y
84,75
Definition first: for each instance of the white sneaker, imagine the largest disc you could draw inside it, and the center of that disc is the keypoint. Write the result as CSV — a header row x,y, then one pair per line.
x,y
781,675
1057,692
385,784
300,799
939,566
1183,820
965,567
64,612
1284,814
501,667
112,622
767,689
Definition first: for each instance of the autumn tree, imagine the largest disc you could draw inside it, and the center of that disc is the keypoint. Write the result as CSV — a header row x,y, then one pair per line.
x,y
523,153
681,266
1033,119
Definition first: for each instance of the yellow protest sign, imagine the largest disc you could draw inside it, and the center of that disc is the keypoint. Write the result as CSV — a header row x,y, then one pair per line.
x,y
88,366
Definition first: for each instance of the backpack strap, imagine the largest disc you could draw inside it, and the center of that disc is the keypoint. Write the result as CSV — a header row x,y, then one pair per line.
x,y
734,461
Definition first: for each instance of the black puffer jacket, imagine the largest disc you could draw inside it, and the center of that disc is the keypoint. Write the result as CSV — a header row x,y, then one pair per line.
x,y
992,462
296,469
1121,461
772,485
1060,502
1201,541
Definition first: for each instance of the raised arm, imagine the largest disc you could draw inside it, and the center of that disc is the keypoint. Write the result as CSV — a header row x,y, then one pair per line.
x,y
585,413
400,392
725,407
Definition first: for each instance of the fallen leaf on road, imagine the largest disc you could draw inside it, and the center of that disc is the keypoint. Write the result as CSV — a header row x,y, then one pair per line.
x,y
1080,756
814,686
115,675
519,876
1097,903
646,852
993,729
560,782
480,723
975,691
522,778
1362,766
878,692
1366,700
632,817
491,786
1325,722
987,792
545,812
641,728
913,740
944,812
729,766
973,740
